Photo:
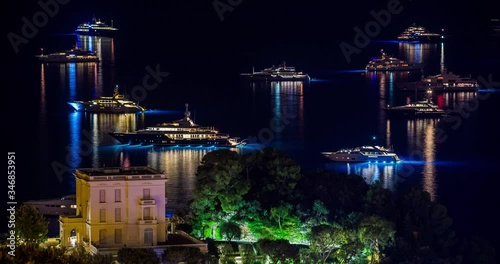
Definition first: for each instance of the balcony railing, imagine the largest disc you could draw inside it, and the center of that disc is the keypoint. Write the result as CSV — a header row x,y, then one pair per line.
x,y
148,222
149,201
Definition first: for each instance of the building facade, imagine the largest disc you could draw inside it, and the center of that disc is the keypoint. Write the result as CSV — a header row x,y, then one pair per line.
x,y
117,207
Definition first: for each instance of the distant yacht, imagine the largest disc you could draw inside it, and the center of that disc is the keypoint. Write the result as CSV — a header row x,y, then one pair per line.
x,y
117,103
73,55
418,109
183,132
96,27
276,73
65,205
419,33
374,154
495,26
388,63
443,82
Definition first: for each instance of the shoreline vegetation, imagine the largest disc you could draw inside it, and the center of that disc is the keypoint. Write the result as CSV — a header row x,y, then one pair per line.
x,y
260,208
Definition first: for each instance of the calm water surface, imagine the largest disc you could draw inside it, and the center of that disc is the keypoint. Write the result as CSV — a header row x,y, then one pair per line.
x,y
337,109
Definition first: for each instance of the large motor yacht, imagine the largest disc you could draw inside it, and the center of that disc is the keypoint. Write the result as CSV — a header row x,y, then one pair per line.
x,y
376,154
72,55
183,132
388,63
117,103
65,205
417,109
443,82
276,73
419,33
96,27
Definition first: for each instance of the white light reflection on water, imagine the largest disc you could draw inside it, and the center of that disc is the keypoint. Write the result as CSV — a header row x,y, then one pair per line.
x,y
385,173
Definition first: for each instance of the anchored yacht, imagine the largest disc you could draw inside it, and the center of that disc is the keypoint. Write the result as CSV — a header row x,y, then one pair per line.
x,y
183,132
376,154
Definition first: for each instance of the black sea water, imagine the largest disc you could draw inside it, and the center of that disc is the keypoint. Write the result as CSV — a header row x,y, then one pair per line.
x,y
455,160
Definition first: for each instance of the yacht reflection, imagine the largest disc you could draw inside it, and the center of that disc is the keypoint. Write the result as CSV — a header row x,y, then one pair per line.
x,y
287,101
179,164
386,174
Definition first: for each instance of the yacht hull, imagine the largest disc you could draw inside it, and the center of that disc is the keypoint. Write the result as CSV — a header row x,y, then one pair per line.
x,y
157,139
275,78
351,158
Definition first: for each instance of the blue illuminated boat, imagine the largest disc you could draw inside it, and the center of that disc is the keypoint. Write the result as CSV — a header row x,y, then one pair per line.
x,y
183,132
374,154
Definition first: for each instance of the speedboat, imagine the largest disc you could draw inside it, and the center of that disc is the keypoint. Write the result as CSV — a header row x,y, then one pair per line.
x,y
376,154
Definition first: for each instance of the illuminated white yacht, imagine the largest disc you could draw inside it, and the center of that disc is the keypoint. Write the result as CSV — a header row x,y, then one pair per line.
x,y
72,55
183,132
96,27
388,63
374,154
117,103
276,73
419,33
65,205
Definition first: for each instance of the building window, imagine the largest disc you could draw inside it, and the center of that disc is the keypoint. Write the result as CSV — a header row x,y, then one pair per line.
x,y
118,214
147,213
102,196
118,195
146,194
118,236
102,236
102,215
148,236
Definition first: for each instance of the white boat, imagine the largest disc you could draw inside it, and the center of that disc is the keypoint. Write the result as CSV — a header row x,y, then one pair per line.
x,y
443,82
389,63
117,103
96,27
65,205
376,154
182,132
419,33
276,73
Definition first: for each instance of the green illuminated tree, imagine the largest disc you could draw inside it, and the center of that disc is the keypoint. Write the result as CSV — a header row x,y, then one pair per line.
x,y
174,255
31,225
279,251
219,189
376,233
274,177
325,239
